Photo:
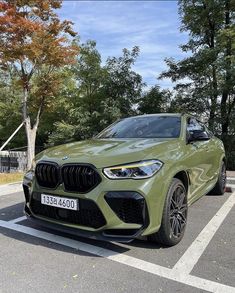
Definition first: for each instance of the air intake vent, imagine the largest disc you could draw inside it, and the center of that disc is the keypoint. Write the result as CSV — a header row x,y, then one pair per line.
x,y
47,174
88,214
80,178
128,206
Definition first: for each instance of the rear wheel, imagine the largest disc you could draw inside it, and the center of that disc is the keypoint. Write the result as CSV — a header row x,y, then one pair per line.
x,y
174,217
220,185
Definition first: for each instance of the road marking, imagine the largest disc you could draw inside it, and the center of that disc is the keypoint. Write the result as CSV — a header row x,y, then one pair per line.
x,y
191,256
230,178
172,274
18,219
230,185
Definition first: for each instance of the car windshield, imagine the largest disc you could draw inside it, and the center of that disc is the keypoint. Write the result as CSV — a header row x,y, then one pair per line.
x,y
144,127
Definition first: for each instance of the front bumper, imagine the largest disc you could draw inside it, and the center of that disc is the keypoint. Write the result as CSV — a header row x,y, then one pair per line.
x,y
97,235
118,210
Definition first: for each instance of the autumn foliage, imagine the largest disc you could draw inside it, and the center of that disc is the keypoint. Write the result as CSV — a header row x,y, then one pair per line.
x,y
31,32
35,42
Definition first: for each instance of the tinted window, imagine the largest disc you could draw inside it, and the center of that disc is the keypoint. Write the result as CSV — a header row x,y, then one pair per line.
x,y
144,127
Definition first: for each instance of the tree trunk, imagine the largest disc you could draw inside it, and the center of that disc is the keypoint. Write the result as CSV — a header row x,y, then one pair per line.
x,y
210,36
225,115
31,138
214,99
211,121
31,132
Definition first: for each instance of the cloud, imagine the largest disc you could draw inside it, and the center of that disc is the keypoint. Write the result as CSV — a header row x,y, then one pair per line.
x,y
153,26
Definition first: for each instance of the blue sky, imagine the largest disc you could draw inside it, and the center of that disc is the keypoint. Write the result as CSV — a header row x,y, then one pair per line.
x,y
151,25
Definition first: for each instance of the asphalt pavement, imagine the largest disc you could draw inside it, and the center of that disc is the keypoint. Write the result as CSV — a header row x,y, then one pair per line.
x,y
35,259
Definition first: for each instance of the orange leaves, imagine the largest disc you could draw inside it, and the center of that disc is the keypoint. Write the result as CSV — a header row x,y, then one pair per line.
x,y
30,31
4,6
37,44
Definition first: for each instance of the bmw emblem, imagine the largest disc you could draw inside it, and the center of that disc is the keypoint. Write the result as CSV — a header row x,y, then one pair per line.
x,y
65,158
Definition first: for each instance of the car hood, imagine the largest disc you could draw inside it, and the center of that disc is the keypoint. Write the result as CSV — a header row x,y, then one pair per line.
x,y
108,152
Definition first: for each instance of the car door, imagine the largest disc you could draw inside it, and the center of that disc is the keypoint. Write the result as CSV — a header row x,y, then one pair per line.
x,y
214,155
200,157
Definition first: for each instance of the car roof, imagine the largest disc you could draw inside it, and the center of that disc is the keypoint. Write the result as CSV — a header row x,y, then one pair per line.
x,y
158,114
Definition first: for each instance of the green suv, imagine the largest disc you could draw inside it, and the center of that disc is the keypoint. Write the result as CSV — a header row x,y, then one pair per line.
x,y
136,178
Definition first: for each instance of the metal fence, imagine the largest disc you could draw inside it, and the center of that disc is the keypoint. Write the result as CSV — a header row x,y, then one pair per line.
x,y
13,161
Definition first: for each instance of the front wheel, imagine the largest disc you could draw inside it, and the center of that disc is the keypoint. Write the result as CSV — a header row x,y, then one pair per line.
x,y
174,217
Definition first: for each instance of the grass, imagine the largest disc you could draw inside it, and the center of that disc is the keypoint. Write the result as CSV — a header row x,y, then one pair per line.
x,y
10,177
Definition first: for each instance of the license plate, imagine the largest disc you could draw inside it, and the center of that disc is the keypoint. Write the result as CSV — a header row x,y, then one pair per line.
x,y
59,202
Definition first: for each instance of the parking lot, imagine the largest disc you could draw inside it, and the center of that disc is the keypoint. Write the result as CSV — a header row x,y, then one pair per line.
x,y
41,260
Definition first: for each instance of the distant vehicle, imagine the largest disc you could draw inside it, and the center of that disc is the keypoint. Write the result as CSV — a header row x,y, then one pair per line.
x,y
136,178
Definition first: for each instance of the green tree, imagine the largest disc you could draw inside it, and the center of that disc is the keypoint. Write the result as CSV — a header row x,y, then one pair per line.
x,y
190,100
155,101
100,94
90,110
211,67
10,117
123,85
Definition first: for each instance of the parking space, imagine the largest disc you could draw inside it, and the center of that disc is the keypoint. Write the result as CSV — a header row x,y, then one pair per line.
x,y
39,259
218,261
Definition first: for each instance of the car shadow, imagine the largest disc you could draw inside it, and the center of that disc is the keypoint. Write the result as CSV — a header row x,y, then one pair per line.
x,y
16,211
12,212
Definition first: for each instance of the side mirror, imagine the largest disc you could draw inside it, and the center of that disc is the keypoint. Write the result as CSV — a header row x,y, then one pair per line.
x,y
198,135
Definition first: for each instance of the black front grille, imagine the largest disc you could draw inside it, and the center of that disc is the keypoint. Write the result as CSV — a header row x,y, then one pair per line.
x,y
128,206
76,177
81,178
47,174
88,214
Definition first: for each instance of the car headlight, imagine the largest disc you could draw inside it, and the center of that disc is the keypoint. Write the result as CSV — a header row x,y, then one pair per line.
x,y
137,170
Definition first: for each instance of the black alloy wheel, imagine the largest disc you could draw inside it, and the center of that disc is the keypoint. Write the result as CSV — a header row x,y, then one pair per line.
x,y
174,216
178,211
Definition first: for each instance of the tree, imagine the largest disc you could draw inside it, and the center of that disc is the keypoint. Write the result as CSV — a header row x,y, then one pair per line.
x,y
100,94
123,85
35,43
10,117
90,111
155,101
89,74
211,67
188,99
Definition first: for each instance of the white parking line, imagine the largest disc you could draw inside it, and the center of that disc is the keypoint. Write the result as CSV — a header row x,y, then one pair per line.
x,y
160,271
191,256
18,219
196,249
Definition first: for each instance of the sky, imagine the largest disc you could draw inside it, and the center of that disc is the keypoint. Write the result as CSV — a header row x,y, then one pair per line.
x,y
114,25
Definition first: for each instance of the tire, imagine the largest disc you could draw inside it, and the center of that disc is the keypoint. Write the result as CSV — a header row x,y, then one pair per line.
x,y
220,185
174,217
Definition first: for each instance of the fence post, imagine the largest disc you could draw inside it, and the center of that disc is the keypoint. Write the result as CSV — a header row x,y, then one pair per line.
x,y
9,163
